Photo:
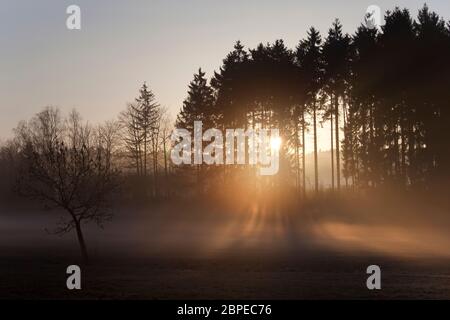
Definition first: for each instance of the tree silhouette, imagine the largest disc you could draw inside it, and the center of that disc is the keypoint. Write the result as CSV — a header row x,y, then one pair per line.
x,y
198,106
309,56
386,91
63,165
141,123
336,55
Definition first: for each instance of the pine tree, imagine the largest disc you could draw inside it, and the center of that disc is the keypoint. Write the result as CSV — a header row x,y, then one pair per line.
x,y
198,106
336,56
140,121
309,56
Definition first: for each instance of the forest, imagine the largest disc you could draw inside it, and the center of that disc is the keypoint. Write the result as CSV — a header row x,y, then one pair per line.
x,y
384,93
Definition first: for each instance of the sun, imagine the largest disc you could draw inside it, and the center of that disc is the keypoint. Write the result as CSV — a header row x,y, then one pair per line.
x,y
275,143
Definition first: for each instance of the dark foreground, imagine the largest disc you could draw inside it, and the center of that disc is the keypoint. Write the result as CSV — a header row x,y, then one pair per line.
x,y
259,256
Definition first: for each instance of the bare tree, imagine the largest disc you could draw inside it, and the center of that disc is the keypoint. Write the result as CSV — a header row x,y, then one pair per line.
x,y
62,169
167,125
133,137
141,122
108,137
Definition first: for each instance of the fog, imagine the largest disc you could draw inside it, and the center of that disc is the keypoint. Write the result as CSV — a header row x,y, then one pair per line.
x,y
352,225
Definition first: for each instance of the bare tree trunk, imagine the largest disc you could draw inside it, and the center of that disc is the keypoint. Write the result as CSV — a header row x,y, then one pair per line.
x,y
141,163
316,166
374,167
411,154
145,152
346,132
303,154
396,159
81,242
297,154
403,152
332,147
156,174
165,160
338,156
137,163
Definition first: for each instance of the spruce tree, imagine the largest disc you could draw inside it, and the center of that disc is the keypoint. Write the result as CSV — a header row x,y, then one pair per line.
x,y
309,56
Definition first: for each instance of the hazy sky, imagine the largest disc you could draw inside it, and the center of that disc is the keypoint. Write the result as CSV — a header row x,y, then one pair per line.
x,y
124,43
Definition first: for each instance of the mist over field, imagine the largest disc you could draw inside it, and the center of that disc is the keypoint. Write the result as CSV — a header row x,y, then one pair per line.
x,y
202,251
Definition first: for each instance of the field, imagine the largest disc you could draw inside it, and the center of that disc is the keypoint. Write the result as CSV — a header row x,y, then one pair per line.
x,y
205,253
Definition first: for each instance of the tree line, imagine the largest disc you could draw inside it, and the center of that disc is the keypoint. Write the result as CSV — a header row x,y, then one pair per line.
x,y
84,170
384,92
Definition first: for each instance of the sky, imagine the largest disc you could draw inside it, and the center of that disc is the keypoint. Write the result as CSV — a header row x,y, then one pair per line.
x,y
121,44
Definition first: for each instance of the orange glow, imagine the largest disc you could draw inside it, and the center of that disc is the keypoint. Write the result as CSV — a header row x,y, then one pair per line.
x,y
275,143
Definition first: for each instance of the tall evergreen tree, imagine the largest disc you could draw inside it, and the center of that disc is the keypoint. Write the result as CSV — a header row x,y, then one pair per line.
x,y
198,106
148,114
309,57
336,57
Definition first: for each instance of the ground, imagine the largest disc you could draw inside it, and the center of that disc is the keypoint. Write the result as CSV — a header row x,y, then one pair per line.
x,y
203,254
